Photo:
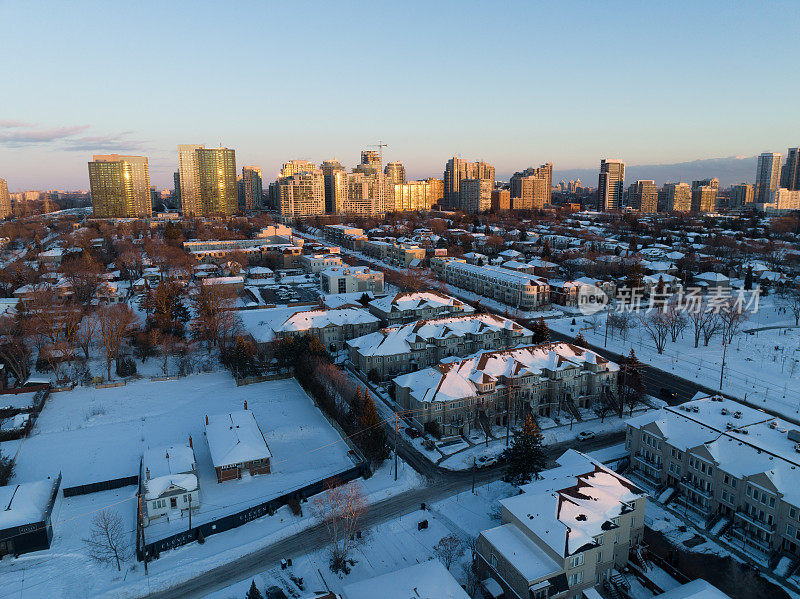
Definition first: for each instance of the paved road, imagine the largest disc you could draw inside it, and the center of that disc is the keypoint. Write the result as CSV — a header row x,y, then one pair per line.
x,y
441,484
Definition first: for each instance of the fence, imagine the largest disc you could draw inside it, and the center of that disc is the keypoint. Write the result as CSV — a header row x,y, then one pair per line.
x,y
249,380
225,523
103,485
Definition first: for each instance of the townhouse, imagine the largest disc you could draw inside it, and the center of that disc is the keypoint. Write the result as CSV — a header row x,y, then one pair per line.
x,y
510,287
724,461
491,386
563,534
351,238
406,348
416,305
350,279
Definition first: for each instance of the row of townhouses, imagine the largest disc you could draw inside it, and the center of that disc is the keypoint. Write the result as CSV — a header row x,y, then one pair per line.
x,y
724,461
490,386
406,348
407,307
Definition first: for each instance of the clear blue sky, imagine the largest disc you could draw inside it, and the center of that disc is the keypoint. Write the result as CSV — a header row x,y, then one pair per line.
x,y
514,83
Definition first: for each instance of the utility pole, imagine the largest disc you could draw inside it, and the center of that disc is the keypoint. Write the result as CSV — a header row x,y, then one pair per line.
x,y
190,511
605,341
722,368
474,465
508,415
396,427
140,526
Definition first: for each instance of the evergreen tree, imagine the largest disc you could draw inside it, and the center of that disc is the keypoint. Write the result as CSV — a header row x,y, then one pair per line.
x,y
748,278
526,457
541,334
580,340
546,251
634,244
631,383
372,439
254,593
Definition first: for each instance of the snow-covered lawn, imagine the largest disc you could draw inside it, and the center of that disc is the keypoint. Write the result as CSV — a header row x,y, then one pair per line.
x,y
390,546
763,365
96,434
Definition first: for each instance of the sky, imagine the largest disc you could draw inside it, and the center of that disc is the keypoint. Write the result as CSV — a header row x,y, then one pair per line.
x,y
512,83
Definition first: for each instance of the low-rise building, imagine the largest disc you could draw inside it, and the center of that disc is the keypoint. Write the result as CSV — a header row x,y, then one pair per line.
x,y
490,386
352,238
416,305
510,287
25,515
427,580
423,343
351,279
725,461
564,534
237,445
169,481
315,263
221,248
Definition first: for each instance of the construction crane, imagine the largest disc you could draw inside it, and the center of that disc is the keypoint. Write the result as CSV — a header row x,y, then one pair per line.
x,y
380,145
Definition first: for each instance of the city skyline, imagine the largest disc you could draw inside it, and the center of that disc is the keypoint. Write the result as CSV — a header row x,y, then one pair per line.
x,y
147,107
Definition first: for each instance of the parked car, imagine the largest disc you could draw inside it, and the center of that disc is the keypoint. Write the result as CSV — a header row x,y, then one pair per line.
x,y
666,394
585,435
413,433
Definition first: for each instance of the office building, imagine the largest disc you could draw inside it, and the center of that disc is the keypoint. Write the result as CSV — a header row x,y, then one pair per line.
x,y
301,193
768,176
643,196
395,173
533,186
332,171
790,176
610,184
120,186
678,197
475,195
5,200
253,188
458,169
741,195
416,195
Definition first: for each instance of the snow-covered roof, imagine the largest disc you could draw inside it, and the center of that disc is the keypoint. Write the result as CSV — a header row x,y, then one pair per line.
x,y
24,503
456,379
399,340
696,589
712,277
428,580
417,300
573,503
305,320
263,323
235,438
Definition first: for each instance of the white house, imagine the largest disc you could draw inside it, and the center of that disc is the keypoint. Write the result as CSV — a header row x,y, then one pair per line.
x,y
169,481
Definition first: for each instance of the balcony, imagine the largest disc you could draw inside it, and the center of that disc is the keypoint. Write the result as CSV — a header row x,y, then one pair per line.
x,y
649,462
744,516
702,491
687,503
741,535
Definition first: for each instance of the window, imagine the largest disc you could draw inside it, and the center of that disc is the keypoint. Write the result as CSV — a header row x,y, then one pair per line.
x,y
792,513
494,561
576,578
790,530
576,561
616,537
771,502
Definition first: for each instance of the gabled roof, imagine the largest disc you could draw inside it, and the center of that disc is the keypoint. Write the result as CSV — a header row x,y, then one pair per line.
x,y
235,438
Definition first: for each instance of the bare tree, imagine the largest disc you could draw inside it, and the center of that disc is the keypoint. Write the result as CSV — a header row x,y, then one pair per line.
x,y
86,333
449,549
107,542
114,324
620,321
15,352
699,318
341,507
657,325
791,301
215,321
676,319
732,317
710,327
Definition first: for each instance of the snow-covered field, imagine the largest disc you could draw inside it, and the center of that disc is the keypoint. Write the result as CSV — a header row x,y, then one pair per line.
x,y
390,546
91,433
763,365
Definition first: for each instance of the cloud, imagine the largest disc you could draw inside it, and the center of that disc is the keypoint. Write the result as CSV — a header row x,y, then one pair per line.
x,y
16,134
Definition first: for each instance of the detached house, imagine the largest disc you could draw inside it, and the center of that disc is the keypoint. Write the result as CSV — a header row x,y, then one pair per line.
x,y
169,481
237,445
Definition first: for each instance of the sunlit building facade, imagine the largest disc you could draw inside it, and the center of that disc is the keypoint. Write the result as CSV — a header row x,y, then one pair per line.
x,y
120,186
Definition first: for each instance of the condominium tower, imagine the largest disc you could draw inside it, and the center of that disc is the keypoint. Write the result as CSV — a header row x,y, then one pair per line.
x,y
416,195
678,197
5,200
120,186
395,173
643,196
741,195
253,187
790,176
458,169
533,186
301,193
330,170
768,176
610,184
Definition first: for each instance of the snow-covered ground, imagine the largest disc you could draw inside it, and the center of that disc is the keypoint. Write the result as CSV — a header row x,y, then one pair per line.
x,y
390,546
763,365
96,434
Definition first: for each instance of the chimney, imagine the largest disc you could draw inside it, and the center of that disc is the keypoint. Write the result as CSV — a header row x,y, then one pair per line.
x,y
245,404
206,419
190,442
167,455
147,473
